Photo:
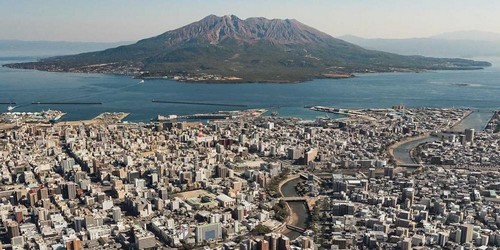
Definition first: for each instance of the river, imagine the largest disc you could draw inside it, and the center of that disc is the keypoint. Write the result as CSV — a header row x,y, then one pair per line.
x,y
476,120
297,208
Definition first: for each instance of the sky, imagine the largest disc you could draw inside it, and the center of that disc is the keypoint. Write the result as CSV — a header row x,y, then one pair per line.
x,y
131,20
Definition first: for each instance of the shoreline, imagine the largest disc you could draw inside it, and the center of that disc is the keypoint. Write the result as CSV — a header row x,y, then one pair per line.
x,y
232,80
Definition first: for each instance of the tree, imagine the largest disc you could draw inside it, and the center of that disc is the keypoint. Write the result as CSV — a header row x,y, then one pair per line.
x,y
261,229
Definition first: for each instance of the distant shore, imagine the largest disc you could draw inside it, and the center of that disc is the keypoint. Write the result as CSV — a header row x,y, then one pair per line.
x,y
216,78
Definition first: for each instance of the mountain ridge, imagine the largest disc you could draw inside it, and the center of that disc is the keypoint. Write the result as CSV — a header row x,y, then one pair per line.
x,y
230,49
439,45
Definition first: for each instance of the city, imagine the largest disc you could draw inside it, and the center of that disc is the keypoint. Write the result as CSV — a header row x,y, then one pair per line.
x,y
245,182
250,125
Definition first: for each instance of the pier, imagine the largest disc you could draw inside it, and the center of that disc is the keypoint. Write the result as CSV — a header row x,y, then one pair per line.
x,y
7,103
202,103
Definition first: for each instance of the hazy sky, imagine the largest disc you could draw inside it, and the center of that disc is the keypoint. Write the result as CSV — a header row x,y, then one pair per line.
x,y
129,20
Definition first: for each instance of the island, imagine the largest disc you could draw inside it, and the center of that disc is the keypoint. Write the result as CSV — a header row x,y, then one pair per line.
x,y
229,49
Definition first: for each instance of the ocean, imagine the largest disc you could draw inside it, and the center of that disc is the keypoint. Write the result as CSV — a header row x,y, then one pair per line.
x,y
469,89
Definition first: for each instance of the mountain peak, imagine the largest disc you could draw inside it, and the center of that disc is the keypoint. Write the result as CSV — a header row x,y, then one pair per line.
x,y
216,29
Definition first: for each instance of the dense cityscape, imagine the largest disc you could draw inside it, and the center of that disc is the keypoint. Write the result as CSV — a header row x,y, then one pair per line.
x,y
250,181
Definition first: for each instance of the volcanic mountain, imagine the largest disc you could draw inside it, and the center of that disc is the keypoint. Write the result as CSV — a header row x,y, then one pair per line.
x,y
252,50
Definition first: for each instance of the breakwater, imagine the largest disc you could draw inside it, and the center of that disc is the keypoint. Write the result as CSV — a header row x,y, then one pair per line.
x,y
66,103
202,103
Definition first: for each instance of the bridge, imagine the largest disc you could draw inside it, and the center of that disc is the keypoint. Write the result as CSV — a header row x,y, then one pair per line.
x,y
295,228
315,178
310,201
295,198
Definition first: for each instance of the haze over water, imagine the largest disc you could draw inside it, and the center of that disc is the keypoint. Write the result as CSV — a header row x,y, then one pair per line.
x,y
473,89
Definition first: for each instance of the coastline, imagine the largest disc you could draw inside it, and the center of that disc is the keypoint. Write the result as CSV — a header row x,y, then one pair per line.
x,y
234,79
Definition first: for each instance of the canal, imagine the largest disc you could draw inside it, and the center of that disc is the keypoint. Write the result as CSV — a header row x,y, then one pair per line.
x,y
299,213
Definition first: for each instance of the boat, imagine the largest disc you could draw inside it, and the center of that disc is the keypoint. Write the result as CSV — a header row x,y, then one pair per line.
x,y
10,108
142,81
274,113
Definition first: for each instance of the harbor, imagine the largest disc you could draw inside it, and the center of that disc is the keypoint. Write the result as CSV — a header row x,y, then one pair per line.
x,y
220,115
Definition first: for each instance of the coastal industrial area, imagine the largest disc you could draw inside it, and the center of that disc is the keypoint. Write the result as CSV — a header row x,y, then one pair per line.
x,y
395,178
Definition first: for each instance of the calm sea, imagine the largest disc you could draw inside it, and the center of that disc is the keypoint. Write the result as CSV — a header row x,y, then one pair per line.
x,y
473,89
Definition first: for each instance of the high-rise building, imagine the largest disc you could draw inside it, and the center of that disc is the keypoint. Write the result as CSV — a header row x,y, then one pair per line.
x,y
78,223
272,238
117,214
262,244
307,243
467,231
310,155
69,191
89,221
408,194
222,171
67,165
284,242
469,135
13,229
406,244
74,244
33,198
442,238
163,194
43,193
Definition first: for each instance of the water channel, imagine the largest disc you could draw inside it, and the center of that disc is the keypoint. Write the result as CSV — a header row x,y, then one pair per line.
x,y
299,213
